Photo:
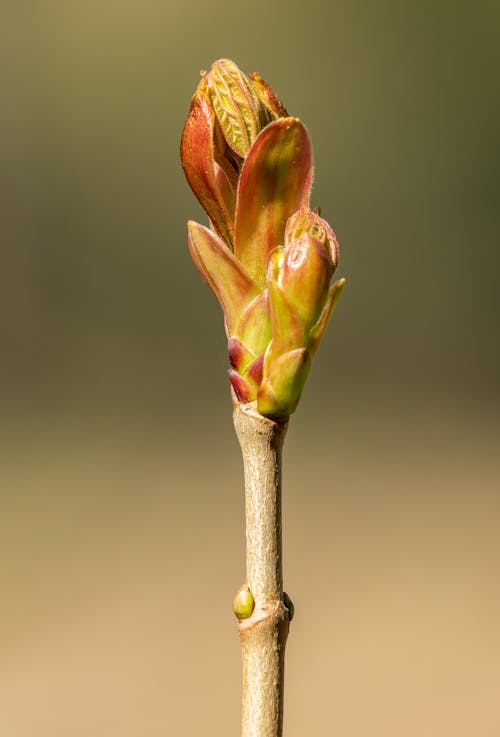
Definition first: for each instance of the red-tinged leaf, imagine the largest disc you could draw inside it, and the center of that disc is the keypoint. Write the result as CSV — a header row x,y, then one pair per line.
x,y
275,181
268,97
287,329
255,369
318,330
305,276
197,155
244,392
227,277
239,355
306,220
254,327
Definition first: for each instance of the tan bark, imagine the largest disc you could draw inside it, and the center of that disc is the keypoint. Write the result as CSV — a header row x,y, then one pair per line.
x,y
262,635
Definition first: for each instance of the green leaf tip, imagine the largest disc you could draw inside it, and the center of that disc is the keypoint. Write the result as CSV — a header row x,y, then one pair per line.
x,y
243,603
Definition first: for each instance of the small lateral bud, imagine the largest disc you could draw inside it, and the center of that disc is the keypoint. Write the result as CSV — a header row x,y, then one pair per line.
x,y
289,605
243,603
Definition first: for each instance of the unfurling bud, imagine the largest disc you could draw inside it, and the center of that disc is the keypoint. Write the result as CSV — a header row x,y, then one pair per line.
x,y
236,99
243,603
268,257
228,111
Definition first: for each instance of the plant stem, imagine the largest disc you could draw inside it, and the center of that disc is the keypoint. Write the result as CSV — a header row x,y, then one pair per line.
x,y
263,635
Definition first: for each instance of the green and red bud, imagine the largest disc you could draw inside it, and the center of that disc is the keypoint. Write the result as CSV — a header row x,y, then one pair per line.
x,y
268,257
228,111
298,278
305,277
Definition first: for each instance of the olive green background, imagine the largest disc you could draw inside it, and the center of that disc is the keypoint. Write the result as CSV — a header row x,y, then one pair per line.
x,y
121,513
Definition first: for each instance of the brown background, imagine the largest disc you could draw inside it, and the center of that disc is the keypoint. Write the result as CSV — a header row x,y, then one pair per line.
x,y
121,515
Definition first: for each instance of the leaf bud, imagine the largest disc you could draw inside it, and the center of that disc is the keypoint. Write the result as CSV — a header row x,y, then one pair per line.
x,y
243,603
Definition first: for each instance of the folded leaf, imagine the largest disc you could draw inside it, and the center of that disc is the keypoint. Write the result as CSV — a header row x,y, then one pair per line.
x,y
227,277
275,181
236,103
305,276
197,155
318,330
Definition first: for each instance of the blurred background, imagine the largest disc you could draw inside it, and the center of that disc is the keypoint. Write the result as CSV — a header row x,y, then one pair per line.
x,y
121,508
